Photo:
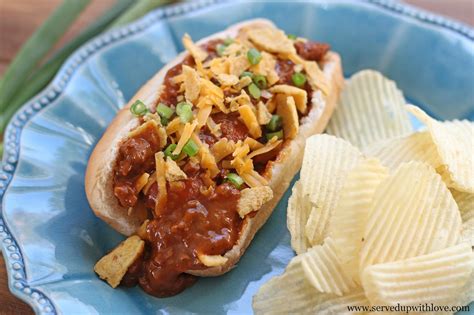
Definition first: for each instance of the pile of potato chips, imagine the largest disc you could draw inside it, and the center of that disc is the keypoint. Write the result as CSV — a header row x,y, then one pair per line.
x,y
382,215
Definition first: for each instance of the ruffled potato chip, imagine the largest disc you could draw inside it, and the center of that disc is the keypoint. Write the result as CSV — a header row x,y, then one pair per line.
x,y
290,293
433,278
467,232
412,213
323,269
326,163
250,120
415,147
455,146
297,216
371,109
351,214
465,203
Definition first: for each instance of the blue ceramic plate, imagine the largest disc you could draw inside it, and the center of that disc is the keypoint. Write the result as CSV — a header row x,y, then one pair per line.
x,y
49,236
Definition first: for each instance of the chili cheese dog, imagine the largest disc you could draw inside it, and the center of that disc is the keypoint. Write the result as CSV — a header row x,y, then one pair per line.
x,y
201,155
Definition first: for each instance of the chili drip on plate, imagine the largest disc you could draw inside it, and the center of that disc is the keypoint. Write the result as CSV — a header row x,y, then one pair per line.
x,y
200,161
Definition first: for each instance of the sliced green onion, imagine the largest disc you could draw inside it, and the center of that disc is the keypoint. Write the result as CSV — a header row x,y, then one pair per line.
x,y
246,74
169,152
164,111
291,36
164,121
278,134
255,91
191,148
298,79
184,111
235,179
260,81
138,108
254,56
228,41
275,123
180,106
220,49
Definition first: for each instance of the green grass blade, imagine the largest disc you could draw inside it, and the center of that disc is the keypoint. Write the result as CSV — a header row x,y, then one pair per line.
x,y
140,8
92,30
37,47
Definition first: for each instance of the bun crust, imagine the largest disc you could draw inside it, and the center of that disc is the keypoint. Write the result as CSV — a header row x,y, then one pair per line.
x,y
100,169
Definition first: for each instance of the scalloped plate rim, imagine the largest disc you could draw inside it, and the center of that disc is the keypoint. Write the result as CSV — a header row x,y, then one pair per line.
x,y
12,255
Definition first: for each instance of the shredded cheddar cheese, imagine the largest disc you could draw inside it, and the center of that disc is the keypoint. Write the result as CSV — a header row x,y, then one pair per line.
x,y
269,146
174,126
186,134
254,179
253,144
241,149
203,115
250,120
208,161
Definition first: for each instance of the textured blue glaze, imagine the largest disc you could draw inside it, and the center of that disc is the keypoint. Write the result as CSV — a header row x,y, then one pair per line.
x,y
48,234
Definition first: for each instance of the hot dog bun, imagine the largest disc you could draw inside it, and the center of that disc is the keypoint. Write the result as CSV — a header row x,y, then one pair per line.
x,y
100,169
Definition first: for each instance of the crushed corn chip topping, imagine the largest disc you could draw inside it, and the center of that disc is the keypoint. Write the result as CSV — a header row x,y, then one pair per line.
x,y
241,78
